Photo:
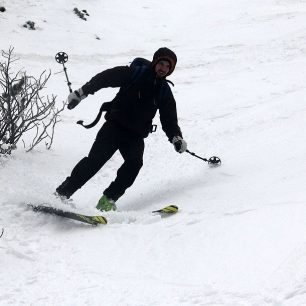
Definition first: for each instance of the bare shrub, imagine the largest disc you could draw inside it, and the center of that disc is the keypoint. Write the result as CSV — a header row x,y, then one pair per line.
x,y
23,109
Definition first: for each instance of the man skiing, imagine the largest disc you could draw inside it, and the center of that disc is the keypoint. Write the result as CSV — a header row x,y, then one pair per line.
x,y
129,117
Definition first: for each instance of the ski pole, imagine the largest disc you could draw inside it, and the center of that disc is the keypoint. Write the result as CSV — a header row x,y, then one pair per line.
x,y
62,58
214,160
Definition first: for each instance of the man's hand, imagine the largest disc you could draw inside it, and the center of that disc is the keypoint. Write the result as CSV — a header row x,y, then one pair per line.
x,y
179,143
75,98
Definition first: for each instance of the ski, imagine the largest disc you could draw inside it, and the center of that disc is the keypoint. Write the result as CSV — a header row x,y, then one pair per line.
x,y
93,220
168,210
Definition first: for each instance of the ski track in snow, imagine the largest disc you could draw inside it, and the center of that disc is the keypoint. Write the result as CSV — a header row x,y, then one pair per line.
x,y
239,236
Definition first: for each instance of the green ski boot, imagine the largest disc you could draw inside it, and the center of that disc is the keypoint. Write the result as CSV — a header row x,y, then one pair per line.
x,y
106,204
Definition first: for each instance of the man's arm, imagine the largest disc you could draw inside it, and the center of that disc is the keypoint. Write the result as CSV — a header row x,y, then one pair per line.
x,y
168,115
114,77
168,118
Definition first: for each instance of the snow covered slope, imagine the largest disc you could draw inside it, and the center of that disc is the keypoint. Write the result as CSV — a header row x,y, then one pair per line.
x,y
239,238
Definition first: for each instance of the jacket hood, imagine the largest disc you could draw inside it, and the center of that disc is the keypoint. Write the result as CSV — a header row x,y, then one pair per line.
x,y
167,55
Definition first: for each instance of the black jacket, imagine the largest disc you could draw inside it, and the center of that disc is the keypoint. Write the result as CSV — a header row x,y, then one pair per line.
x,y
136,103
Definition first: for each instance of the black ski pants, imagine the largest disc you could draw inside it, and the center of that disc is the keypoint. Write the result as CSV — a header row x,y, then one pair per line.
x,y
110,138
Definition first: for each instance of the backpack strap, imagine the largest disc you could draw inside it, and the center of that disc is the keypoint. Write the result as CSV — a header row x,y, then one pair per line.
x,y
170,82
104,108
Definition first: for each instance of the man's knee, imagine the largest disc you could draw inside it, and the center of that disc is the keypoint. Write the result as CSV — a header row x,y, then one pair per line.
x,y
134,163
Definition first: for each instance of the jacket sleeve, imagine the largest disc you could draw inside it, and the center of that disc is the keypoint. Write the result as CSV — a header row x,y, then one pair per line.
x,y
114,77
168,115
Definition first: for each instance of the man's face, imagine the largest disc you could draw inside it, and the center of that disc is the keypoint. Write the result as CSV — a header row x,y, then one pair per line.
x,y
162,68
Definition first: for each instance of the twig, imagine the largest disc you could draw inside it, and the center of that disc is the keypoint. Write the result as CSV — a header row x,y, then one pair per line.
x,y
23,109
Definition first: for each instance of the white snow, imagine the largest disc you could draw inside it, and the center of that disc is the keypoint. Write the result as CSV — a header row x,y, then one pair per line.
x,y
239,238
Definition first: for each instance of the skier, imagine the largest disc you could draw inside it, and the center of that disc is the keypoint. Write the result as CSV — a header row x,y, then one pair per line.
x,y
128,121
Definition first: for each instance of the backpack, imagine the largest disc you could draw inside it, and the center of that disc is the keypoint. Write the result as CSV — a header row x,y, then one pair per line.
x,y
140,64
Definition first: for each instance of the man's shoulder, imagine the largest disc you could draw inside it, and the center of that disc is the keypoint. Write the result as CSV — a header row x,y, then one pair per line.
x,y
121,69
138,71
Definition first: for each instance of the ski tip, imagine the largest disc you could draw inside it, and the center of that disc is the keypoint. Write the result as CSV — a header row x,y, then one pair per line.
x,y
99,220
170,209
34,207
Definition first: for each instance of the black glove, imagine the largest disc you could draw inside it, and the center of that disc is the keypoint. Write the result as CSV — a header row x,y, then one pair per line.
x,y
179,143
75,98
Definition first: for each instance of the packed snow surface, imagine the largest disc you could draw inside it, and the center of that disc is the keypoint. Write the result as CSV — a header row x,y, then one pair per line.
x,y
240,86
